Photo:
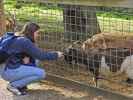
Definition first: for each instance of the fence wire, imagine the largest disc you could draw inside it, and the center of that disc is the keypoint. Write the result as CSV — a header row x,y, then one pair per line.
x,y
67,27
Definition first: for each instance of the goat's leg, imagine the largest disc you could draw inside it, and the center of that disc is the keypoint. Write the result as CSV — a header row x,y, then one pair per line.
x,y
96,77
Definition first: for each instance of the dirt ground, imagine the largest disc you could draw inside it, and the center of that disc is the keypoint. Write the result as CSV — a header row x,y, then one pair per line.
x,y
113,83
47,91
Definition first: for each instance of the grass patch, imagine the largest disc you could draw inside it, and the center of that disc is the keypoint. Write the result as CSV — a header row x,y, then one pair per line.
x,y
51,17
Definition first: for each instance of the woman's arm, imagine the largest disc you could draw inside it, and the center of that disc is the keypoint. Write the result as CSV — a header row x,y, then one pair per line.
x,y
37,53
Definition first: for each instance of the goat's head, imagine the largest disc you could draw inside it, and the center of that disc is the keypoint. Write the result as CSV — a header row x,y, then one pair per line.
x,y
72,52
71,55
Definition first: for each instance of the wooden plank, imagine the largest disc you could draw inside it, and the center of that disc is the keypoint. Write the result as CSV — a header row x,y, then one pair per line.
x,y
106,3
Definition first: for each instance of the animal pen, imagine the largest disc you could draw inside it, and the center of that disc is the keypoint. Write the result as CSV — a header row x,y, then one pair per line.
x,y
67,25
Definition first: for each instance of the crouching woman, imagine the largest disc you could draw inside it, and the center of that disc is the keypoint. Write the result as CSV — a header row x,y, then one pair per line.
x,y
21,69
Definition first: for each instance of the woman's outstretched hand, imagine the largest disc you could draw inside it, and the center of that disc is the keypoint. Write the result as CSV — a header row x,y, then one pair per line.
x,y
60,54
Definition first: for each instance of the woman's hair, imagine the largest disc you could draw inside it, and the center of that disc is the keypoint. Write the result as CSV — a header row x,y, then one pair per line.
x,y
28,30
10,24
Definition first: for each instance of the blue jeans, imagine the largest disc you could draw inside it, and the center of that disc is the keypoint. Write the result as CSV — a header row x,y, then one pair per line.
x,y
23,75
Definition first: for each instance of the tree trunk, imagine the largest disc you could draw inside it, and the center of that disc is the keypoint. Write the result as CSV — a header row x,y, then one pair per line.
x,y
2,21
80,22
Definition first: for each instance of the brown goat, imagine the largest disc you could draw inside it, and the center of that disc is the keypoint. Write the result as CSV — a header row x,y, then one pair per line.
x,y
108,40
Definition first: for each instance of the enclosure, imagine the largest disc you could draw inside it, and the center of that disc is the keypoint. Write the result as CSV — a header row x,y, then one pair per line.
x,y
68,24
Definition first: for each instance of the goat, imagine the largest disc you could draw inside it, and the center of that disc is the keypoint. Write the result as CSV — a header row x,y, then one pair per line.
x,y
90,60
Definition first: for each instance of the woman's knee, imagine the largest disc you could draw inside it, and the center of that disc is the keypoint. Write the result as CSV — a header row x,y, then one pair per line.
x,y
41,74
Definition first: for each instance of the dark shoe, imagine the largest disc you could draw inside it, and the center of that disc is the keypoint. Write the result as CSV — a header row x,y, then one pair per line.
x,y
14,90
23,90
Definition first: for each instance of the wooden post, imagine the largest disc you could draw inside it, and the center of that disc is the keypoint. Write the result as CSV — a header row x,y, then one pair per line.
x,y
2,19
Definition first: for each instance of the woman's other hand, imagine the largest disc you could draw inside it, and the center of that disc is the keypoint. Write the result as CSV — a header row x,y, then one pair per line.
x,y
26,60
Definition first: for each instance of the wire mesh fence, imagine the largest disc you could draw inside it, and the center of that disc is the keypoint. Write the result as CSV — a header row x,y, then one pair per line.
x,y
96,40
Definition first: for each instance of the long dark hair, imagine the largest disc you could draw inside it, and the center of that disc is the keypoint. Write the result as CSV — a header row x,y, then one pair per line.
x,y
28,30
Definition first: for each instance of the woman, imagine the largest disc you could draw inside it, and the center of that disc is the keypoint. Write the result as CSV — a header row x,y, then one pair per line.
x,y
20,69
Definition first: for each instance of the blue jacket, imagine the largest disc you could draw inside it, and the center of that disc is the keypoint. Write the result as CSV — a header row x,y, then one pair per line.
x,y
23,44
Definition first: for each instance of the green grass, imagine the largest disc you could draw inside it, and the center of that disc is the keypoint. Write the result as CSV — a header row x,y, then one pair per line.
x,y
51,17
38,13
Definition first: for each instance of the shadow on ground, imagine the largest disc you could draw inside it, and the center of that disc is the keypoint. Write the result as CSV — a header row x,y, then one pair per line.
x,y
49,94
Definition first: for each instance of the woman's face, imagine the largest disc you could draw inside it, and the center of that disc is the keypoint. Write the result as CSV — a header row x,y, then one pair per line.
x,y
36,35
